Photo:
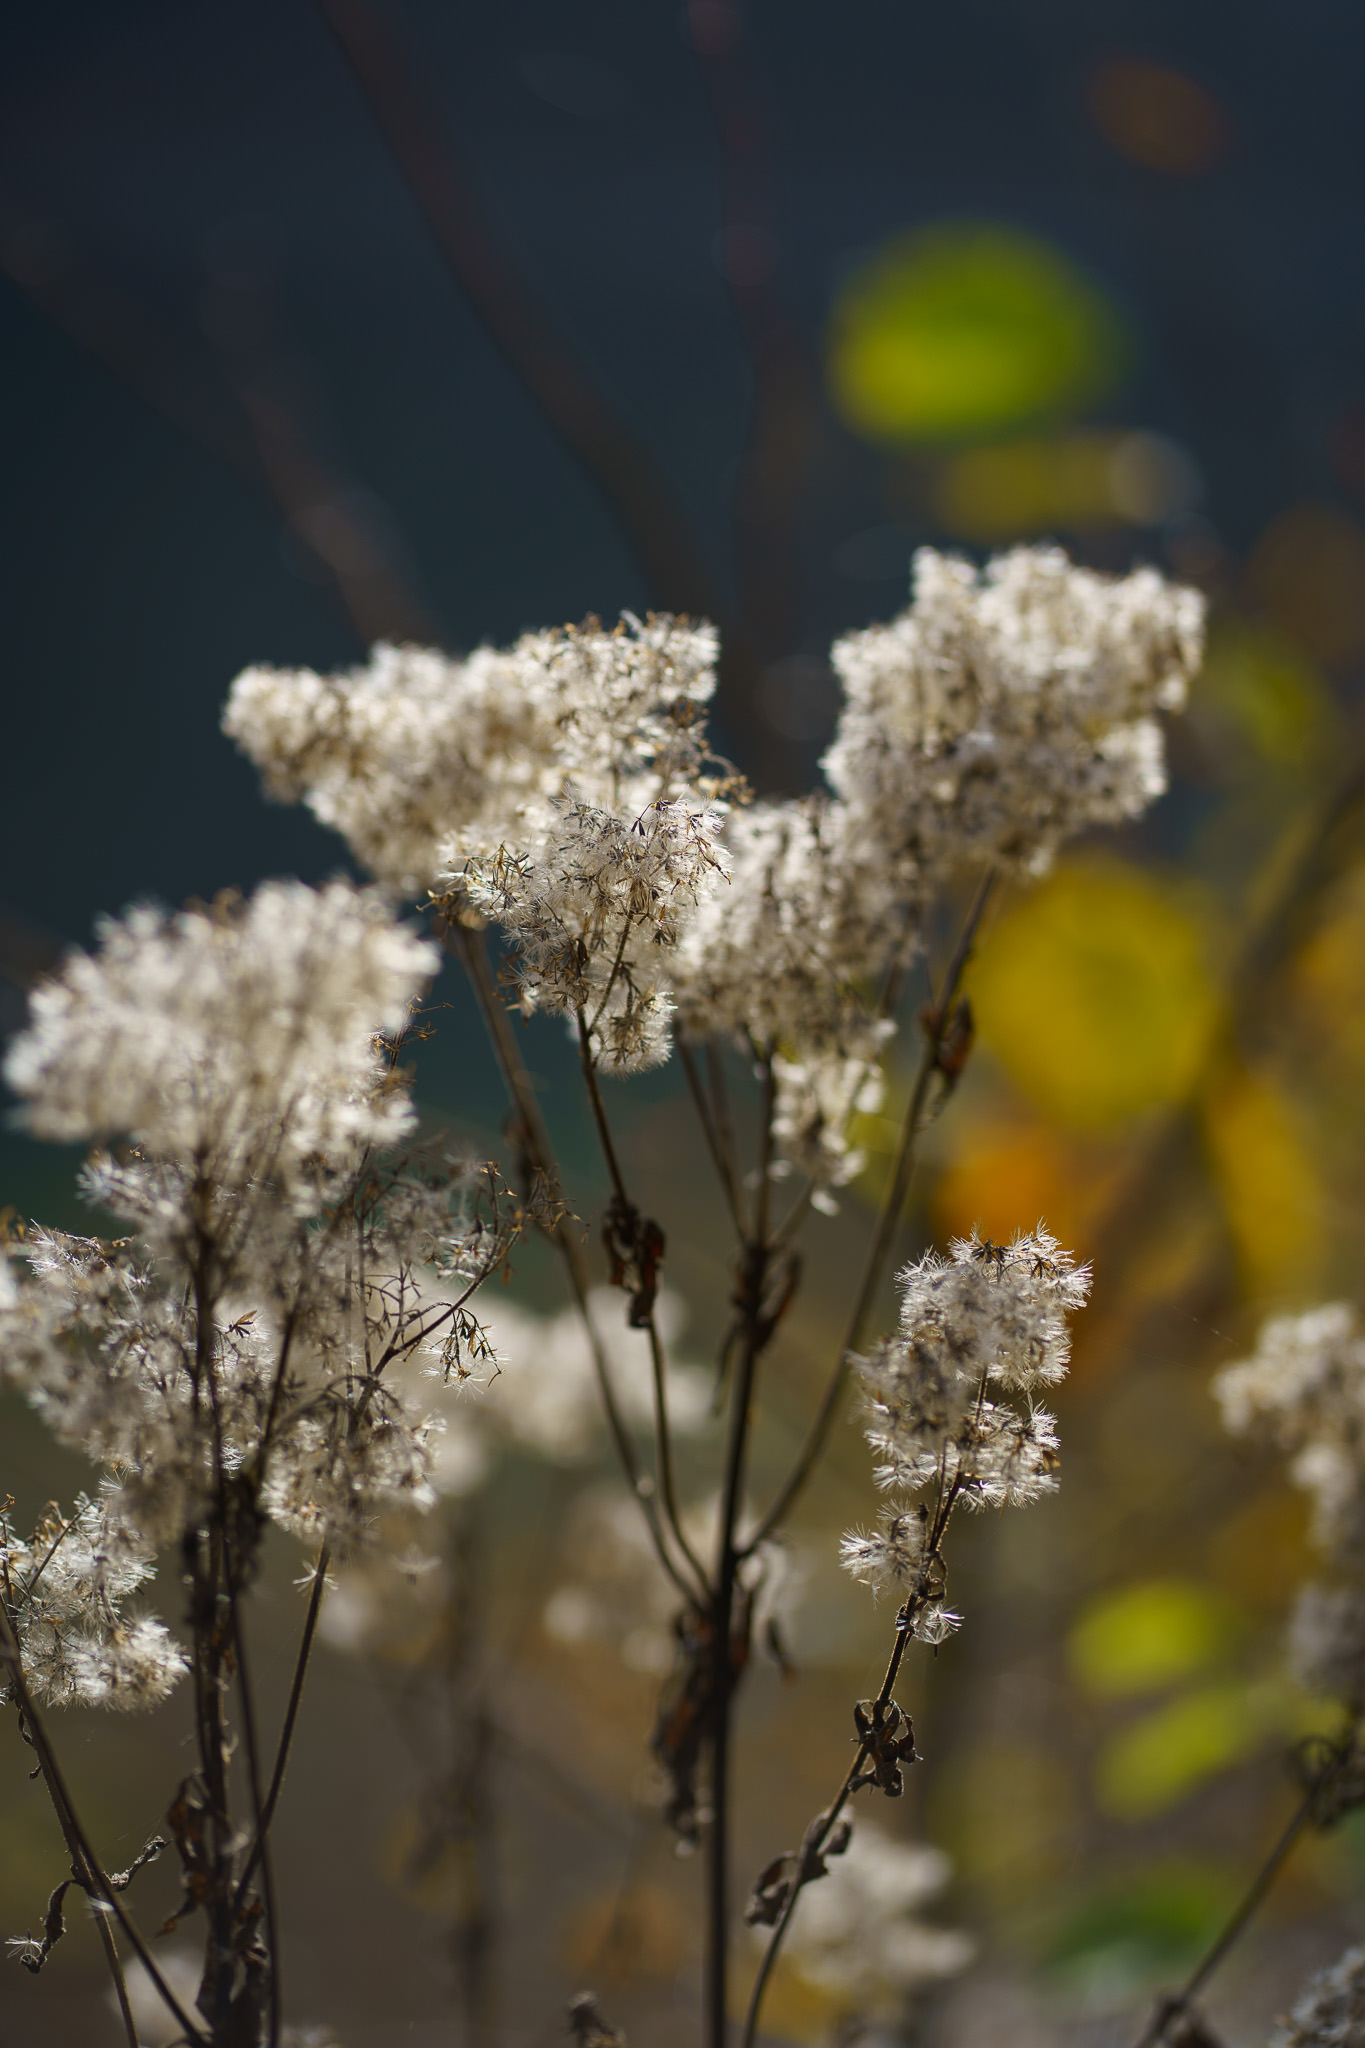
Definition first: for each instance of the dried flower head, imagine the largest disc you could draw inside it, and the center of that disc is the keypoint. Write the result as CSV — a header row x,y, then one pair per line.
x,y
236,1044
987,1317
1002,714
423,762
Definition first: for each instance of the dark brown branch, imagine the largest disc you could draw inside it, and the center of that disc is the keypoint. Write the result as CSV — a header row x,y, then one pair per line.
x,y
663,1436
936,1024
535,1141
641,501
757,1253
784,410
822,1827
291,1715
85,1864
1174,2005
725,1172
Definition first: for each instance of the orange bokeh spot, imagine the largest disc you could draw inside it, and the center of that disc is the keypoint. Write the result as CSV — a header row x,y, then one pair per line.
x,y
1157,117
1007,1176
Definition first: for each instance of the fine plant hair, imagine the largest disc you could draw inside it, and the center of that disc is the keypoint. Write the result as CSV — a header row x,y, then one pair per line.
x,y
242,1355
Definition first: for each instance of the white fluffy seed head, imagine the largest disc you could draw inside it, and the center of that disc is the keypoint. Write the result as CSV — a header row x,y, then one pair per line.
x,y
237,1040
1003,713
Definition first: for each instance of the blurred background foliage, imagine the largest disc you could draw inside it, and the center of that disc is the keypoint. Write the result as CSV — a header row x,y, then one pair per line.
x,y
731,308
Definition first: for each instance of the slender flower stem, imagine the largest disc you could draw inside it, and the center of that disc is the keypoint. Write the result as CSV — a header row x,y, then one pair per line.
x,y
719,1158
1174,2004
935,1028
470,950
663,1436
817,1834
291,1715
599,1113
251,1743
91,1875
757,1255
820,1829
80,1868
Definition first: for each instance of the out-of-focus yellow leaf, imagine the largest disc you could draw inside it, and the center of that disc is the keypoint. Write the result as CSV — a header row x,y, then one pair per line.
x,y
1270,1187
1094,993
1154,1763
966,329
1259,684
1143,1636
1073,481
1328,984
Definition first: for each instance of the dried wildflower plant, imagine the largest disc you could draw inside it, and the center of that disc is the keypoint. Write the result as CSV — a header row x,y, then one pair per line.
x,y
260,1346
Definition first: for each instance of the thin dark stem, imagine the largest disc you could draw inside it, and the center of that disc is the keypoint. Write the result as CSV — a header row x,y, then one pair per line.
x,y
725,1173
663,1440
820,1829
935,1027
599,1113
291,1715
818,1834
91,1875
638,496
720,1109
540,1155
663,1436
251,1743
80,1869
757,1255
1170,2007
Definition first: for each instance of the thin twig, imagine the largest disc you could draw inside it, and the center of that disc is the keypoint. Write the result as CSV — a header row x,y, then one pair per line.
x,y
818,1833
251,1744
935,1027
599,1114
720,1109
663,1435
469,948
757,1255
1170,2007
725,1173
291,1715
94,1879
638,496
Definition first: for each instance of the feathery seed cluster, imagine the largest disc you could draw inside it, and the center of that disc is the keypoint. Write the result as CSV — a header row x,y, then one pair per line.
x,y
237,1344
563,789
989,1320
1002,714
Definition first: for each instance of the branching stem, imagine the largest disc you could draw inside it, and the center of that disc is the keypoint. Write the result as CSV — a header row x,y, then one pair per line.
x,y
1171,2007
86,1865
663,1435
821,1828
536,1141
935,1028
757,1254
